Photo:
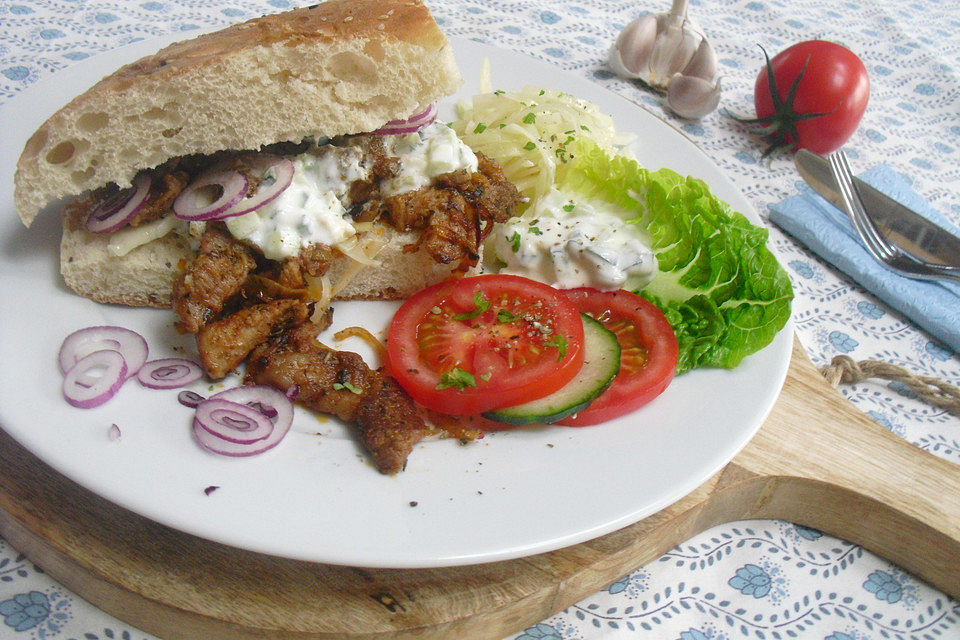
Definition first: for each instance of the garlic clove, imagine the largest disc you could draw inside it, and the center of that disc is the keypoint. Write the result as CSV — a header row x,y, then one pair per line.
x,y
633,46
616,64
669,52
672,51
703,64
692,97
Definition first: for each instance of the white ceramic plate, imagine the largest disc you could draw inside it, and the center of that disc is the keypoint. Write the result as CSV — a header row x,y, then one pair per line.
x,y
316,497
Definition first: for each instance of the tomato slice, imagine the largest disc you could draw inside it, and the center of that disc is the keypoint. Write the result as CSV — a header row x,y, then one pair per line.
x,y
648,356
466,346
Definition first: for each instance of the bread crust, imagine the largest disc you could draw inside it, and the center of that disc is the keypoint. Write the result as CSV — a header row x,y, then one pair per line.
x,y
343,66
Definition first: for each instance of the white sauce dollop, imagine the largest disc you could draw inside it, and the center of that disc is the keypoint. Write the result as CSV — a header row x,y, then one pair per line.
x,y
568,242
310,211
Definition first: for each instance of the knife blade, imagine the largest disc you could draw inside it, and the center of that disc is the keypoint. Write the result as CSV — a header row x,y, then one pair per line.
x,y
902,225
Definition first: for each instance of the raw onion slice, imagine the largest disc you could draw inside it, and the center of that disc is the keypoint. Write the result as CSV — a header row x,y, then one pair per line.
x,y
130,344
95,378
412,124
232,422
114,211
196,202
169,373
223,447
277,406
190,399
272,406
273,174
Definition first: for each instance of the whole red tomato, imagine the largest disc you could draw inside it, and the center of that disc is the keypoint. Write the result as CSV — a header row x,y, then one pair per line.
x,y
811,95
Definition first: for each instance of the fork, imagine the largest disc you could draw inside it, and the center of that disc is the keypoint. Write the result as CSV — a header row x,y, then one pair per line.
x,y
891,255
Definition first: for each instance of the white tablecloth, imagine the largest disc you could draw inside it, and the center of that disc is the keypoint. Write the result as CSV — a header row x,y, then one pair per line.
x,y
756,579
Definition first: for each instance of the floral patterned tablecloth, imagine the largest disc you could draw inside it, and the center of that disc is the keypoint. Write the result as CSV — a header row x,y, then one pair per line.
x,y
751,579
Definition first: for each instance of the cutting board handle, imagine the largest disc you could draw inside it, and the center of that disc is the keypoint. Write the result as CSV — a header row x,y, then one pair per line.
x,y
849,477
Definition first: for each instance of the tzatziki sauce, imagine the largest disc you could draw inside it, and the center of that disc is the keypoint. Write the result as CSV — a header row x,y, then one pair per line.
x,y
568,242
310,211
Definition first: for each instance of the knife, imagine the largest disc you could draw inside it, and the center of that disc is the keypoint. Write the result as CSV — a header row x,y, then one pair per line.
x,y
901,225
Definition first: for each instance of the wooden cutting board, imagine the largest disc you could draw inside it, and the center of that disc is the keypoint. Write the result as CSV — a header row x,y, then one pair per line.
x,y
817,461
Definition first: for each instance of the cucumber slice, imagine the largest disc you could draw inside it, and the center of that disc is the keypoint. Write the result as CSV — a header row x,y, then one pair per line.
x,y
601,363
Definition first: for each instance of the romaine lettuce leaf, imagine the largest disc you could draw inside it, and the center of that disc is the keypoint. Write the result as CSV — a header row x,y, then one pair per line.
x,y
721,288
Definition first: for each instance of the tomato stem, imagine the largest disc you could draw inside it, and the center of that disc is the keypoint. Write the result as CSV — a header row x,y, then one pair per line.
x,y
781,125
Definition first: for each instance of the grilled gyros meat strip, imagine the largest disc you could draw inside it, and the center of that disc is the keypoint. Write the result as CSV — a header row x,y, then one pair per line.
x,y
313,260
340,383
217,273
456,213
225,343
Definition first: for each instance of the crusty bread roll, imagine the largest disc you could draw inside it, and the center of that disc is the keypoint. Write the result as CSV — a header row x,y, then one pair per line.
x,y
340,67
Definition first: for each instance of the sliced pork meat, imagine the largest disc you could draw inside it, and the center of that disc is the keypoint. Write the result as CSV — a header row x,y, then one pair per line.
x,y
216,274
340,383
487,189
456,213
313,260
451,230
225,343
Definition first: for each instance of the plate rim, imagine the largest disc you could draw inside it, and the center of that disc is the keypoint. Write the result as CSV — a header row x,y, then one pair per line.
x,y
150,45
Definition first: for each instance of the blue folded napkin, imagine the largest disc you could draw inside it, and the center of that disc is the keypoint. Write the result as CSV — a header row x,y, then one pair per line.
x,y
828,232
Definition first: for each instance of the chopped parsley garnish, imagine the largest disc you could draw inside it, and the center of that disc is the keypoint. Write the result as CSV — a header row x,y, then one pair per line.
x,y
480,128
352,388
568,207
515,241
535,231
480,303
530,118
505,316
457,379
560,342
530,146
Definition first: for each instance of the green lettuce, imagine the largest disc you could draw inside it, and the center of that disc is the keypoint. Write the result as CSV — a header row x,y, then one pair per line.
x,y
721,288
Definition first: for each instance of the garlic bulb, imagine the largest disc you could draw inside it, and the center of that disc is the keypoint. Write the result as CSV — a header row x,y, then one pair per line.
x,y
669,52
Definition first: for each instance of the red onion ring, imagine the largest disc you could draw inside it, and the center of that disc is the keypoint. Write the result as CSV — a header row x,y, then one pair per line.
x,y
232,422
410,125
190,399
275,174
271,405
169,373
194,204
131,345
114,211
84,389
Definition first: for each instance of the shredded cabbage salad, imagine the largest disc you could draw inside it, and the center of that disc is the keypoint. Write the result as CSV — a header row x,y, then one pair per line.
x,y
529,132
723,291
